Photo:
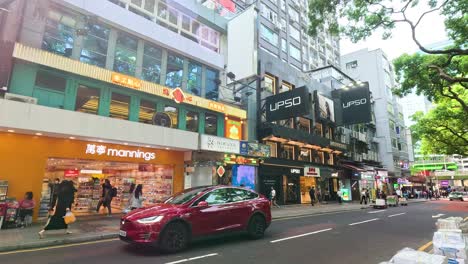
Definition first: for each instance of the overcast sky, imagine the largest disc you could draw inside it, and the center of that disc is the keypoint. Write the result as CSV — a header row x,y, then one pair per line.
x,y
430,30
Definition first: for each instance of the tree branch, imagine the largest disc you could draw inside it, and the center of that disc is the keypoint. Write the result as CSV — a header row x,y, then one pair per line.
x,y
430,11
454,96
447,77
447,128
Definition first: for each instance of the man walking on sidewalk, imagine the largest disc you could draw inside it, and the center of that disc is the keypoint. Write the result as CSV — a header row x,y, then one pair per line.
x,y
273,197
312,195
363,196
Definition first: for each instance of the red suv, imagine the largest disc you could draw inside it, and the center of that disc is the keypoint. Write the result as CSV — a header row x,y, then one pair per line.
x,y
195,213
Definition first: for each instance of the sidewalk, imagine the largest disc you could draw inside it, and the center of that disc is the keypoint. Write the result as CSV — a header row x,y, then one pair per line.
x,y
98,228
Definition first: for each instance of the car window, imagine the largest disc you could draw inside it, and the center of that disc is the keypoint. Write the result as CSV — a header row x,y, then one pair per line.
x,y
241,195
185,196
218,196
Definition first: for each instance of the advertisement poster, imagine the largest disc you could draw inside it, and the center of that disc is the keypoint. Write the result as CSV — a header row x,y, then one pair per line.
x,y
243,175
345,193
356,105
325,108
233,129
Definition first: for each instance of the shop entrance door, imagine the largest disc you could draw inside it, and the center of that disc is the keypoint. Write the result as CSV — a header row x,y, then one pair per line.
x,y
291,189
355,190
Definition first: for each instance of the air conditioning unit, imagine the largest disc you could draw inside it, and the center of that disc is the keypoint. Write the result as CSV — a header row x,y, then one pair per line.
x,y
20,98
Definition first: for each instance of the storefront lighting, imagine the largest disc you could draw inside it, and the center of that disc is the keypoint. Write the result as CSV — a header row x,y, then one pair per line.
x,y
91,171
125,143
11,131
100,141
226,118
147,146
38,134
71,137
167,148
242,121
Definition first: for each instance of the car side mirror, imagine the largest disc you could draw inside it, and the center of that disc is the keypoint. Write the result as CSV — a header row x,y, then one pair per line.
x,y
203,204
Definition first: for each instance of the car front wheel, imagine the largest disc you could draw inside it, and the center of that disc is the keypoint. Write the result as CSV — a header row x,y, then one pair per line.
x,y
174,238
257,226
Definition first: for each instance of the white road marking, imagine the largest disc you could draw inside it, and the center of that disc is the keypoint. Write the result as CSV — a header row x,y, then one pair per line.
x,y
396,214
306,234
374,212
194,258
437,216
370,220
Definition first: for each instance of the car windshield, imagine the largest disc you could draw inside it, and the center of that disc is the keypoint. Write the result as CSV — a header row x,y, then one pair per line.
x,y
185,195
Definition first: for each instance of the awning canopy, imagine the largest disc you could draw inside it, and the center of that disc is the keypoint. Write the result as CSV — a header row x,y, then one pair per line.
x,y
352,167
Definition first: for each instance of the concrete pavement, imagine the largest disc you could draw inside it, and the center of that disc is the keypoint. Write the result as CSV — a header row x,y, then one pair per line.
x,y
359,236
96,227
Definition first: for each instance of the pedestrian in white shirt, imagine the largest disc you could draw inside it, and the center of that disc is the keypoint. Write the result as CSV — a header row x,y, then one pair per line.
x,y
137,197
273,197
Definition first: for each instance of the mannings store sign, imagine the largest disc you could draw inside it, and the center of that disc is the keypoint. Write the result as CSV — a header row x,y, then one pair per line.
x,y
94,149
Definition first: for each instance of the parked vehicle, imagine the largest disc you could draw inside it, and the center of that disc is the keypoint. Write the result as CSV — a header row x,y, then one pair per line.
x,y
195,213
461,196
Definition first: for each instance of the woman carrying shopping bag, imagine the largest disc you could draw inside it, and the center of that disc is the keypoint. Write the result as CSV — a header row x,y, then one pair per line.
x,y
58,217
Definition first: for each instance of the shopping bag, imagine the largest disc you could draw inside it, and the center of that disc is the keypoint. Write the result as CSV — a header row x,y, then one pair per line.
x,y
69,218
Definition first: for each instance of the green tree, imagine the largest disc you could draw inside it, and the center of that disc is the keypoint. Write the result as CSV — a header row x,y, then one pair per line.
x,y
444,129
432,73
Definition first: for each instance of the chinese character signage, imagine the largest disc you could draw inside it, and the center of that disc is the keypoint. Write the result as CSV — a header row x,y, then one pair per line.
x,y
125,80
312,171
233,129
99,150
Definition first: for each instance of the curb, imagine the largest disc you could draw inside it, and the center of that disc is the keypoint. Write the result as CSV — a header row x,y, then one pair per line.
x,y
58,242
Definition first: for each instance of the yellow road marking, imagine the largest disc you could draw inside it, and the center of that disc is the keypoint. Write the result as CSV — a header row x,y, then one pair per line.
x,y
55,247
425,246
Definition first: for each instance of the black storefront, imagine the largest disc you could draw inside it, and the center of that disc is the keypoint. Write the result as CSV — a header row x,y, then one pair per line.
x,y
284,179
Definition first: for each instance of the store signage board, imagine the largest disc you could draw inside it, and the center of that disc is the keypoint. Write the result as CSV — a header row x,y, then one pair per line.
x,y
103,150
71,173
125,80
219,144
254,149
221,170
444,183
444,173
356,105
288,104
312,171
233,129
338,145
295,171
402,181
382,173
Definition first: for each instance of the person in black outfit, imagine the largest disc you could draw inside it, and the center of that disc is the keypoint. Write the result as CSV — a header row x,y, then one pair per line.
x,y
312,195
53,192
106,197
63,203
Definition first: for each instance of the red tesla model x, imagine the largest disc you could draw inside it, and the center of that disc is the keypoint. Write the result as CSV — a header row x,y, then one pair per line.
x,y
197,212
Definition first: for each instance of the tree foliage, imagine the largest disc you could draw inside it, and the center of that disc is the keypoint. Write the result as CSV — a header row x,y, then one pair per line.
x,y
444,129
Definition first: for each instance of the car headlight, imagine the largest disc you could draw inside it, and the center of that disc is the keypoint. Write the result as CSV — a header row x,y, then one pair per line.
x,y
150,220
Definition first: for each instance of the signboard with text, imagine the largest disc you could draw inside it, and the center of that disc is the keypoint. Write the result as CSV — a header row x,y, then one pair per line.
x,y
312,171
254,149
355,105
219,144
233,129
288,104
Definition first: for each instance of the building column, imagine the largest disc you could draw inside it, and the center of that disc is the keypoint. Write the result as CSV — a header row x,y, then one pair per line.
x,y
163,67
139,58
113,35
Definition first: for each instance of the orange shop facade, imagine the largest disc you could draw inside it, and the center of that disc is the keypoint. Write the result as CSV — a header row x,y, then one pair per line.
x,y
32,162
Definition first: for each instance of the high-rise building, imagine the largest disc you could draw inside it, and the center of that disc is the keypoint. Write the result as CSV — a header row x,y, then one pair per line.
x,y
373,66
413,103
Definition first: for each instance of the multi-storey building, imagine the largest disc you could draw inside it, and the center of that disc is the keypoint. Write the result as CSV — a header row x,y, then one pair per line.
x,y
374,67
442,171
127,90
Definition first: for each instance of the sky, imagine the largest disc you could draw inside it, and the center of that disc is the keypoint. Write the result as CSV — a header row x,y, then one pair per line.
x,y
430,30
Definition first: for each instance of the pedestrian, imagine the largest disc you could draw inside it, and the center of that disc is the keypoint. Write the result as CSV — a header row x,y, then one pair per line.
x,y
108,192
137,197
312,195
368,196
53,191
327,195
363,196
26,207
319,196
63,204
339,194
273,197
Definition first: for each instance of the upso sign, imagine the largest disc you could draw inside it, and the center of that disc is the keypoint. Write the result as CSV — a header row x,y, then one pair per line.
x,y
94,149
355,105
288,104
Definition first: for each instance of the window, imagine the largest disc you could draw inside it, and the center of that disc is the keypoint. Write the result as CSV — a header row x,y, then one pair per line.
x,y
284,45
304,155
119,107
194,78
294,32
238,195
304,124
394,143
273,148
390,109
318,129
125,54
175,68
95,45
147,111
295,52
149,5
285,87
211,124
389,91
87,100
50,81
269,14
191,119
283,5
283,24
59,33
287,152
269,83
218,196
329,158
268,35
351,65
293,14
152,57
209,38
173,113
211,86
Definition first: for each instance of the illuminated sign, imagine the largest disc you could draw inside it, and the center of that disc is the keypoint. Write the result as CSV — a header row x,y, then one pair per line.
x,y
94,149
312,171
125,80
233,129
216,106
71,173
